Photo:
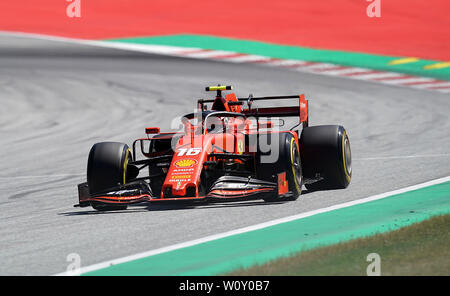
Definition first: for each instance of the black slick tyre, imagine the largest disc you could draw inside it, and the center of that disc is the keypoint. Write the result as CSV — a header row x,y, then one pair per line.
x,y
288,162
326,156
107,168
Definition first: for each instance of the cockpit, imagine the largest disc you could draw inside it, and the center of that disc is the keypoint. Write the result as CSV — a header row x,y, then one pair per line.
x,y
213,122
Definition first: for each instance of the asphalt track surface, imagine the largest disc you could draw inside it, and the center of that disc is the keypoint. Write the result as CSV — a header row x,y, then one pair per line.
x,y
58,99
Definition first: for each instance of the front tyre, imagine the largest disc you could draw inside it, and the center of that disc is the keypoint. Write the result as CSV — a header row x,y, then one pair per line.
x,y
288,162
107,168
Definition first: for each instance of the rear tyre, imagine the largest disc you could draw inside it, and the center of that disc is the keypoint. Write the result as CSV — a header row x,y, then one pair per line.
x,y
326,154
288,162
107,168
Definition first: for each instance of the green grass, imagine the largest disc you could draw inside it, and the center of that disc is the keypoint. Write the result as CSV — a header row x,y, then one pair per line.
x,y
419,249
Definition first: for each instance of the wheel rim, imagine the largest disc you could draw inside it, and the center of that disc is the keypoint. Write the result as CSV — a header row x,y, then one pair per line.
x,y
347,156
296,165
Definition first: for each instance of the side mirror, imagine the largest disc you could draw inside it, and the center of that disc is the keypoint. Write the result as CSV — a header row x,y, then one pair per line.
x,y
152,130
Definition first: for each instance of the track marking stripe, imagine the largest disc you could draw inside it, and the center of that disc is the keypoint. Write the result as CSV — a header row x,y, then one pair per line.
x,y
378,76
196,51
361,72
230,56
433,85
297,65
348,71
269,61
437,66
287,63
429,81
321,67
109,263
206,54
247,59
335,69
394,77
403,61
407,81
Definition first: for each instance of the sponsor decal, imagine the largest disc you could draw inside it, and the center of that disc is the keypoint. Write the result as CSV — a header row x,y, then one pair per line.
x,y
180,180
182,171
123,192
185,163
181,177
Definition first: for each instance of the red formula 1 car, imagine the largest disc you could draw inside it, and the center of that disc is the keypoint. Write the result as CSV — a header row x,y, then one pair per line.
x,y
231,151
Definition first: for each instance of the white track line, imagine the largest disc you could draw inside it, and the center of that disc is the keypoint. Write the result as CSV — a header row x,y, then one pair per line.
x,y
246,59
408,80
320,67
348,71
209,54
286,63
378,76
251,228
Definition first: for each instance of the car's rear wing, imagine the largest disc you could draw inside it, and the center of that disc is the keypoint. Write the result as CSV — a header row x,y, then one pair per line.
x,y
301,110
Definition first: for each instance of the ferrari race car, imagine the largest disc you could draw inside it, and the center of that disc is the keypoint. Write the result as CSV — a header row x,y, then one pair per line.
x,y
231,151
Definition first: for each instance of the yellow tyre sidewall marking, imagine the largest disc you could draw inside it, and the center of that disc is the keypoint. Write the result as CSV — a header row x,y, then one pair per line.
x,y
125,163
343,156
292,164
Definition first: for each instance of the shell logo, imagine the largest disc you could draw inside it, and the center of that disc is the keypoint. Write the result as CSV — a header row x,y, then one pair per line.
x,y
185,163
